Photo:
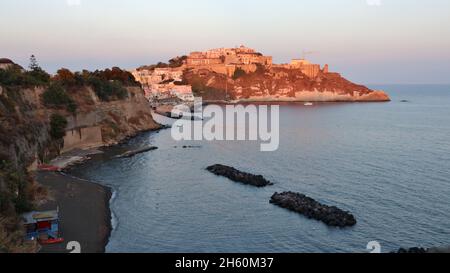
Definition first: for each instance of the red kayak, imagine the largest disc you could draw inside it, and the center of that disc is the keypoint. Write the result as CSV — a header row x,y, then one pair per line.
x,y
52,241
48,168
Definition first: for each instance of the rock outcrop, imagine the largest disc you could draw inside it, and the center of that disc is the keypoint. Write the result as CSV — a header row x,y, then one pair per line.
x,y
114,120
421,250
414,250
278,84
331,216
238,176
136,152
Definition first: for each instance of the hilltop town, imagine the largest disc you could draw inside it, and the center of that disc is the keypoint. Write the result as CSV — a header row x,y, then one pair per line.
x,y
244,74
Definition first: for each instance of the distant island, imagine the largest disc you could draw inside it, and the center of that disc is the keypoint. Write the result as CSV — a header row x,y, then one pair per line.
x,y
242,74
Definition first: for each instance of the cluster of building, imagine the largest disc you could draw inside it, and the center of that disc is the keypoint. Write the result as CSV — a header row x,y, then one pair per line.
x,y
168,81
309,69
228,60
163,83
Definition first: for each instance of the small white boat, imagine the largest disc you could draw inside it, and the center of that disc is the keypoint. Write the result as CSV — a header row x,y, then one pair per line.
x,y
309,104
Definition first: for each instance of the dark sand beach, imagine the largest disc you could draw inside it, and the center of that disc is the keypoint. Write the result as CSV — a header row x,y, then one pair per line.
x,y
85,216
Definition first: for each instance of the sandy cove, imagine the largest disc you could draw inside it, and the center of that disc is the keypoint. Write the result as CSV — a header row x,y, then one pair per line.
x,y
84,206
85,216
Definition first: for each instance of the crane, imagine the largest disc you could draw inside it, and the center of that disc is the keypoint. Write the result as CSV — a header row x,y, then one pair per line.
x,y
306,53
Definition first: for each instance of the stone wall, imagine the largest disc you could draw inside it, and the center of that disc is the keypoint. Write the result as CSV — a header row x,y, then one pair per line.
x,y
96,123
83,138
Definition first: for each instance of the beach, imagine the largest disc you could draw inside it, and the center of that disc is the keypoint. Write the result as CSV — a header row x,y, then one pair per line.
x,y
84,212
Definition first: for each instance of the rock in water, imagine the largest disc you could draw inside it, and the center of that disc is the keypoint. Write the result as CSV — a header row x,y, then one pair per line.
x,y
414,250
238,176
332,216
136,152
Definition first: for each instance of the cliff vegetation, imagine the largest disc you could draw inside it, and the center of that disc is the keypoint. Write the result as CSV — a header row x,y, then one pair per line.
x,y
37,113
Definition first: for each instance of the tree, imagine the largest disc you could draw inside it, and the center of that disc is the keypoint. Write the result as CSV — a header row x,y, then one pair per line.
x,y
177,61
58,126
56,96
66,77
34,66
37,74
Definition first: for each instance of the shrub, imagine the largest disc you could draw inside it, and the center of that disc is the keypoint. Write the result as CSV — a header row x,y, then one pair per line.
x,y
107,90
58,126
38,77
36,73
177,61
115,74
15,76
17,188
55,96
65,77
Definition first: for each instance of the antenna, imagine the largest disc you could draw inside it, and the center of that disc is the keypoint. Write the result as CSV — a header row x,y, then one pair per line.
x,y
306,53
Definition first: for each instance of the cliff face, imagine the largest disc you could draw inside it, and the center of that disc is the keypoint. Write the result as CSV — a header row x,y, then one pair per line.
x,y
279,84
95,123
25,139
104,123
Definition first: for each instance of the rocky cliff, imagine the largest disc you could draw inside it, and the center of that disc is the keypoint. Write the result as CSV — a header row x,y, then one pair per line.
x,y
28,137
98,123
279,84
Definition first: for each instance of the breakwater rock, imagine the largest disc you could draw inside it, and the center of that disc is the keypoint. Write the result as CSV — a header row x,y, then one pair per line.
x,y
136,152
238,176
332,216
414,250
421,250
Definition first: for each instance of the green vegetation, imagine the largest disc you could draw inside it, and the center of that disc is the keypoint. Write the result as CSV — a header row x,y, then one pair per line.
x,y
173,63
66,78
177,62
15,198
37,73
15,76
17,194
61,92
239,72
56,97
58,126
108,84
106,90
114,74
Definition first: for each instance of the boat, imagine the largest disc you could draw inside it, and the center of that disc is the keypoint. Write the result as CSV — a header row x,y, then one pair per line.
x,y
309,104
48,168
51,241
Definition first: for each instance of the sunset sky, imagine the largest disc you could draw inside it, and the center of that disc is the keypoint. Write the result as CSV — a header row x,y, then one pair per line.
x,y
368,41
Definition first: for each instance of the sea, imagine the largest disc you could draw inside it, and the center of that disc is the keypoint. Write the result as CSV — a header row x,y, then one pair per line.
x,y
388,163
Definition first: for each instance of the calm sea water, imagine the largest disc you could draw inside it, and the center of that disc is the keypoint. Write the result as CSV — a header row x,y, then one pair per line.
x,y
387,163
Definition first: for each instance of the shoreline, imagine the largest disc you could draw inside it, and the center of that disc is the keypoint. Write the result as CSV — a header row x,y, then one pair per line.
x,y
109,194
84,208
85,205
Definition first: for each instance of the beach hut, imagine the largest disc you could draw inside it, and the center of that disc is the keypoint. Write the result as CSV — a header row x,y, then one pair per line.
x,y
43,226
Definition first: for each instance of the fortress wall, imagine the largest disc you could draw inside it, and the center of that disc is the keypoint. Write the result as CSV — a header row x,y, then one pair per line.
x,y
311,70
